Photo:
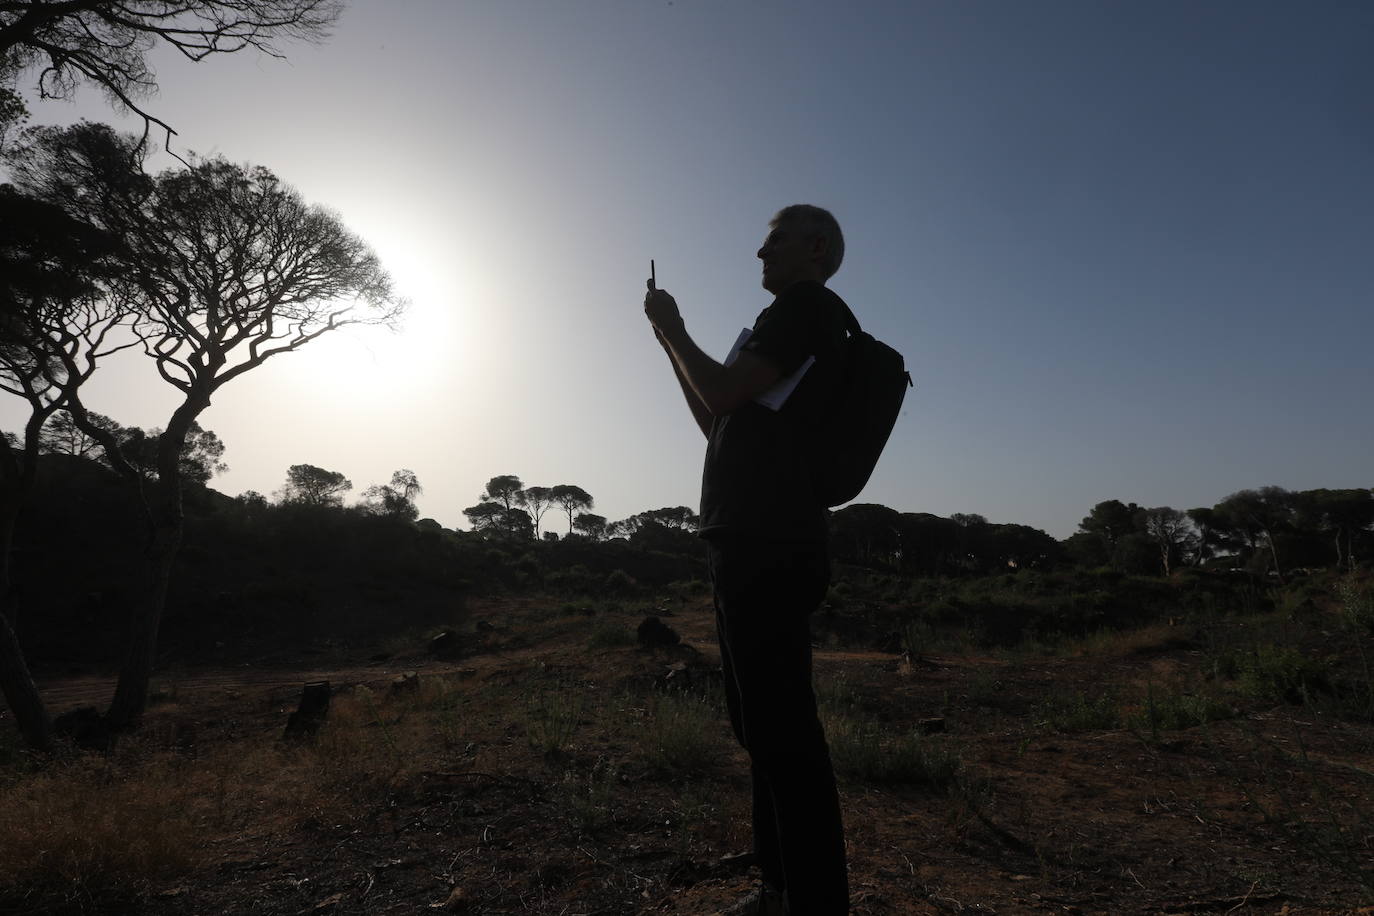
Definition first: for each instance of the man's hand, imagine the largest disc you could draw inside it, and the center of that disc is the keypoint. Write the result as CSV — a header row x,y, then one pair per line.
x,y
661,310
711,389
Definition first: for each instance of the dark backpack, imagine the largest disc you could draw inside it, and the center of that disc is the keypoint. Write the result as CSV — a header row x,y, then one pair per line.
x,y
873,383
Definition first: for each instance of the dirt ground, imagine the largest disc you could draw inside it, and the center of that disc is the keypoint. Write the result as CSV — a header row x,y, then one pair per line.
x,y
1267,812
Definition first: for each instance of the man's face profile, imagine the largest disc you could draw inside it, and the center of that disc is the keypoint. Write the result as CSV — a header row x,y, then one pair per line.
x,y
788,255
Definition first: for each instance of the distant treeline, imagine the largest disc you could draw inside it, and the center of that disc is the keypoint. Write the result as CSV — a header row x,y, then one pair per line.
x,y
300,566
1268,531
262,578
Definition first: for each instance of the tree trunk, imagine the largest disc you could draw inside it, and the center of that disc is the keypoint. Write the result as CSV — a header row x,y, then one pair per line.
x,y
1274,552
131,693
21,693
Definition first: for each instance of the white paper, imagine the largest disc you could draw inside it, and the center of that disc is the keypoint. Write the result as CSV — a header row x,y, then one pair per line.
x,y
776,396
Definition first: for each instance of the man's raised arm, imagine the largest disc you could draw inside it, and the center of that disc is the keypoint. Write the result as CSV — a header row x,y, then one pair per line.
x,y
718,389
699,411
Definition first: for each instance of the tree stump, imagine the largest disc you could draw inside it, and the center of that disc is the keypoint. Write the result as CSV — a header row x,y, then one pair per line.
x,y
407,682
311,713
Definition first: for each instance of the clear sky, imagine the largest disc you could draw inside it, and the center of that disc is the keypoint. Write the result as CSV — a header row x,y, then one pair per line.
x,y
1126,248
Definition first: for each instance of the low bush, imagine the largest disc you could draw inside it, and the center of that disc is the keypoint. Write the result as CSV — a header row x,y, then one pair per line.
x,y
608,634
619,582
865,752
1081,713
1273,673
1175,710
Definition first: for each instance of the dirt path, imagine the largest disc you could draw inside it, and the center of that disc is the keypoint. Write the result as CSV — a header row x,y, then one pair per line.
x,y
483,656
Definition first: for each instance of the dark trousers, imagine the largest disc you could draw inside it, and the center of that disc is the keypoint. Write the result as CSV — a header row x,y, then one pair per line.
x,y
764,595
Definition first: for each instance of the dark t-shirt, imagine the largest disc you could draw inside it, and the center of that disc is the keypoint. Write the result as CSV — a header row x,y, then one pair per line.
x,y
759,479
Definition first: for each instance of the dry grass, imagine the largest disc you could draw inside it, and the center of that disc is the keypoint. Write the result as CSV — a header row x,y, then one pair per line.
x,y
563,780
681,735
96,825
92,824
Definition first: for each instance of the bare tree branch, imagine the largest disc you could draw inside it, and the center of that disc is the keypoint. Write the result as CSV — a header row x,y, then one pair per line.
x,y
106,42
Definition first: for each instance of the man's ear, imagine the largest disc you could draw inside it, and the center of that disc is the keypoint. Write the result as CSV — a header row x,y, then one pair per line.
x,y
820,247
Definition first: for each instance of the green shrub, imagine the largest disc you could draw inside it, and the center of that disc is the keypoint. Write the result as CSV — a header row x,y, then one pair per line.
x,y
1082,713
619,582
1357,605
573,580
865,752
608,634
1275,673
683,589
1175,710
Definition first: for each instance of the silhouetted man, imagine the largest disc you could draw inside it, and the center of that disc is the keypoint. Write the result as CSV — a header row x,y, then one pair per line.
x,y
763,413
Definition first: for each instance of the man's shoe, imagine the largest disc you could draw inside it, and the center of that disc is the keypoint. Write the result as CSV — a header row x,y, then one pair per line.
x,y
762,902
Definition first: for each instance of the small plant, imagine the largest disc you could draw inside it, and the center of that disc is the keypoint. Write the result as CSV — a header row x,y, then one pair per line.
x,y
1357,605
836,696
917,638
587,799
680,736
446,711
553,718
369,701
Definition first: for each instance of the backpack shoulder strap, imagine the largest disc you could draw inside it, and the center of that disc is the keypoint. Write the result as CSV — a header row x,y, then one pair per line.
x,y
851,323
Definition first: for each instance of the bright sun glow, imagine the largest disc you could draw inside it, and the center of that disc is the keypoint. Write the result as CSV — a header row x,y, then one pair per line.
x,y
438,344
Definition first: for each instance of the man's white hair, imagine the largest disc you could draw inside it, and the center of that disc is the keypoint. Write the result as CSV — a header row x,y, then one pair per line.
x,y
818,222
